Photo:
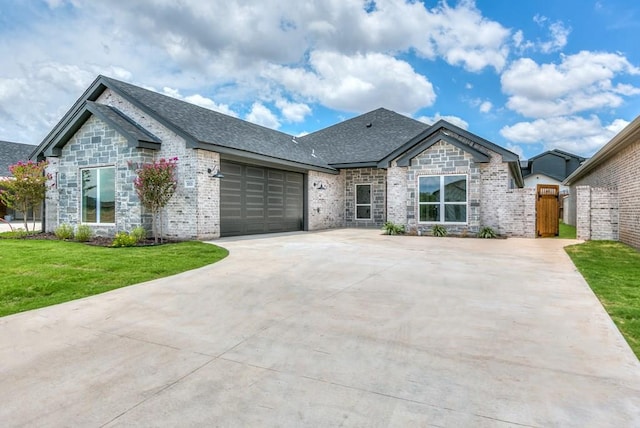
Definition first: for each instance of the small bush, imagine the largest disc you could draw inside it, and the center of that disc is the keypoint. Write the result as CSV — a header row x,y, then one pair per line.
x,y
139,234
438,230
123,239
64,231
83,233
487,233
390,228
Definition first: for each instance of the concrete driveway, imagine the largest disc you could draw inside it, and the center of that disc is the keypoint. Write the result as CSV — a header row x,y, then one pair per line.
x,y
338,328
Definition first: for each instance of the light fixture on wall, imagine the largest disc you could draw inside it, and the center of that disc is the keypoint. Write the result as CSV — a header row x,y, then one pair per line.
x,y
215,172
319,185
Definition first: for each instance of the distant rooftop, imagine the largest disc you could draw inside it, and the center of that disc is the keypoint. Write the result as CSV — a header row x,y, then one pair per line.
x,y
11,153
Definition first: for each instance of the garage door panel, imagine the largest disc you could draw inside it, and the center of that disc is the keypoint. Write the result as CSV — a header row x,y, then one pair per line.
x,y
259,200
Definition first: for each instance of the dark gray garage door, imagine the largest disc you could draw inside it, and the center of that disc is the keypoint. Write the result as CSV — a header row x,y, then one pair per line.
x,y
254,199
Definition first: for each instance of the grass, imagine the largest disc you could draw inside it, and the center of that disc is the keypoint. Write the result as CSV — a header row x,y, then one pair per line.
x,y
566,231
38,273
612,270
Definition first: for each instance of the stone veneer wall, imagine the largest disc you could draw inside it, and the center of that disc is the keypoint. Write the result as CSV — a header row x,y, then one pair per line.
x,y
326,205
377,178
95,145
193,212
442,158
617,181
491,202
597,213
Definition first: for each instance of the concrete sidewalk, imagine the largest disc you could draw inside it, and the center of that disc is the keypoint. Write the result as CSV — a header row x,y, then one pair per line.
x,y
6,227
338,328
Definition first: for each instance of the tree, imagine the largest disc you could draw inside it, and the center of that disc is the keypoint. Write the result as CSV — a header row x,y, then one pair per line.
x,y
155,184
26,189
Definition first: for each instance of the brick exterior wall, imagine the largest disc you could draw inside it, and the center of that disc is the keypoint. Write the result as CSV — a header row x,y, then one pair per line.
x,y
325,200
597,213
397,194
618,174
377,178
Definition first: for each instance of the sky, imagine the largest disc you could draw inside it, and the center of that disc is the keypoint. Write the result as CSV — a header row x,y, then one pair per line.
x,y
529,76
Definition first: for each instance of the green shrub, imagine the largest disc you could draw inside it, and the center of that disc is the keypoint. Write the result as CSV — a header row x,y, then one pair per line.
x,y
123,239
438,230
83,233
64,231
487,233
139,234
390,228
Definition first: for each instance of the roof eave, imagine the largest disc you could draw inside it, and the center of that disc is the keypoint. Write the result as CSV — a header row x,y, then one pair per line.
x,y
243,155
621,139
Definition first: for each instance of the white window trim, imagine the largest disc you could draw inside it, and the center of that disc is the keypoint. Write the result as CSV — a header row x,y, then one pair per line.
x,y
370,204
442,203
97,192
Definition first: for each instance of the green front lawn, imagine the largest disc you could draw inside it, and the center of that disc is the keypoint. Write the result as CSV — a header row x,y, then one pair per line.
x,y
38,273
566,231
612,270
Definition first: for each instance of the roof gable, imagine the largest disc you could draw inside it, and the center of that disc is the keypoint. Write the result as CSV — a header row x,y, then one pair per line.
x,y
405,160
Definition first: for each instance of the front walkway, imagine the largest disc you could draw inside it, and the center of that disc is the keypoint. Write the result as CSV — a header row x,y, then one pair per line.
x,y
337,328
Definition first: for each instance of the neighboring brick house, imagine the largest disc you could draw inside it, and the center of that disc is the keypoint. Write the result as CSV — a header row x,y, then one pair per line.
x,y
359,173
550,167
10,154
605,191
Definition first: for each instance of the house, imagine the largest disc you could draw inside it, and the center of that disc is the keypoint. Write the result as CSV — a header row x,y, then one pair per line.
x,y
550,167
380,166
10,154
605,191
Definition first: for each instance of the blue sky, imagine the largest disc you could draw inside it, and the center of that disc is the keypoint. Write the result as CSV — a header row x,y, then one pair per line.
x,y
527,75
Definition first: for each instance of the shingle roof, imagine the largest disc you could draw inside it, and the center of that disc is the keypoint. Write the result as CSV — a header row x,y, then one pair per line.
x,y
11,153
210,127
364,139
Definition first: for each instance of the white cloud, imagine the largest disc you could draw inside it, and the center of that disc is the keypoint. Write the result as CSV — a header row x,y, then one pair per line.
x,y
574,134
293,112
485,107
581,82
261,115
347,83
454,120
559,36
516,149
199,100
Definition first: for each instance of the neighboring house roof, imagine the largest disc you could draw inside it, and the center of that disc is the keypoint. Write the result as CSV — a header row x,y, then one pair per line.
x,y
12,153
555,163
629,135
371,139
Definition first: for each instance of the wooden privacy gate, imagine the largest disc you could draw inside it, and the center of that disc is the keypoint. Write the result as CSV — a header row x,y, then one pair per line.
x,y
547,210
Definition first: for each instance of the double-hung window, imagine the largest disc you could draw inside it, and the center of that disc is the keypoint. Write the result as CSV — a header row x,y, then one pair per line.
x,y
363,201
98,195
443,198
